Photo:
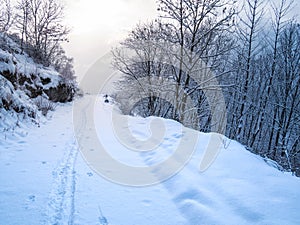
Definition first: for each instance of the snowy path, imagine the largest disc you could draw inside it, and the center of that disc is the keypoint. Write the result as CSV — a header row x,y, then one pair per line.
x,y
61,203
98,199
44,179
37,173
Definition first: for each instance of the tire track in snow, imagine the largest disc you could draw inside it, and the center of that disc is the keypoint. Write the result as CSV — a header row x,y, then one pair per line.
x,y
61,206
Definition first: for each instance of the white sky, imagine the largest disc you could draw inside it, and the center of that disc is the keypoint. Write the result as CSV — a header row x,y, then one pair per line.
x,y
97,25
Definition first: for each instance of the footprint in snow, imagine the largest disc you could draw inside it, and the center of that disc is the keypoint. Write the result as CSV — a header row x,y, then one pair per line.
x,y
31,198
177,136
90,174
147,202
103,220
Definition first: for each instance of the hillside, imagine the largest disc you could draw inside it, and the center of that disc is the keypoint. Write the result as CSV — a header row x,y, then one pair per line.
x,y
28,89
45,179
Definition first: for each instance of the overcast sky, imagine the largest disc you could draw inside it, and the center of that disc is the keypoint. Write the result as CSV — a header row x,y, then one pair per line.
x,y
97,25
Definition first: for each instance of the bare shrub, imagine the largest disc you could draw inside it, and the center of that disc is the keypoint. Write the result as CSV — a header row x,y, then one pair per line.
x,y
44,105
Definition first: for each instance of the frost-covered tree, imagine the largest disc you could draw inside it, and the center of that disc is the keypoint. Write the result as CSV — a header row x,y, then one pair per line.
x,y
254,56
248,49
257,105
279,22
195,33
64,65
201,29
285,143
146,65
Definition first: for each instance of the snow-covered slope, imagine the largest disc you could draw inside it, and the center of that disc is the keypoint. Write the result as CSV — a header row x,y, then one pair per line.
x,y
23,83
45,180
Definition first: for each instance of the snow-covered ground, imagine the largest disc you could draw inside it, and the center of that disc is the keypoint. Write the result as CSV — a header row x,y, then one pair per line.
x,y
45,179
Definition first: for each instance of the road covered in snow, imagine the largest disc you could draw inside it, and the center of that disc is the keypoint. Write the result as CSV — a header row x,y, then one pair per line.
x,y
56,174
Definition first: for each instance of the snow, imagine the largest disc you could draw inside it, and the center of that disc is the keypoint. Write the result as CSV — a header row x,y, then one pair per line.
x,y
13,60
23,64
15,105
45,179
10,119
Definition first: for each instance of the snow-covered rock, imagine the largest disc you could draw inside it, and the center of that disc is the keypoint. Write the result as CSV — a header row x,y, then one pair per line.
x,y
22,80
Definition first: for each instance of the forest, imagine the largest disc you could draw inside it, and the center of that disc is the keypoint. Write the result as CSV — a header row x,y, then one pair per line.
x,y
219,66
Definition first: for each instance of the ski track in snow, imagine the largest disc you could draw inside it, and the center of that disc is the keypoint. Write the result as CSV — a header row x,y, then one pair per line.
x,y
228,193
61,203
61,206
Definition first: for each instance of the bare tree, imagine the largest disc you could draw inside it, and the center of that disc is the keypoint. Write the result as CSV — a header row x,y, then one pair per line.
x,y
278,24
198,26
248,51
41,26
64,65
188,34
22,20
263,63
287,100
6,15
264,105
142,73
